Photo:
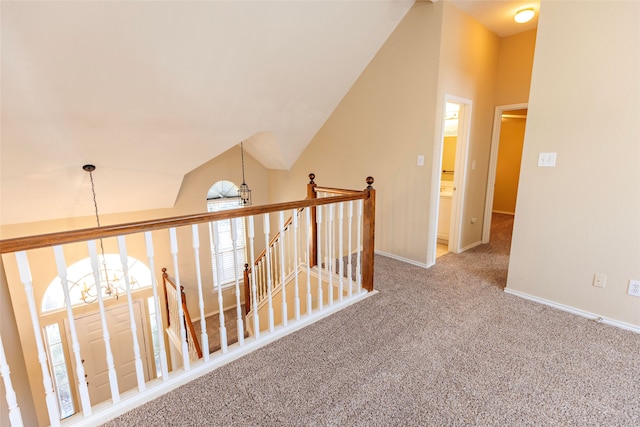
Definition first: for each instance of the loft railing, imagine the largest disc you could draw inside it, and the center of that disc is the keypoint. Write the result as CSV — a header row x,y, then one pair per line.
x,y
283,256
173,241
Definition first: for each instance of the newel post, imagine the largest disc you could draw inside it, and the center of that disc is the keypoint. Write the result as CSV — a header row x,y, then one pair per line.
x,y
313,228
247,290
368,234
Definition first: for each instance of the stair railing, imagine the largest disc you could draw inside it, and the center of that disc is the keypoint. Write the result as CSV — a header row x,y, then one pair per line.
x,y
173,316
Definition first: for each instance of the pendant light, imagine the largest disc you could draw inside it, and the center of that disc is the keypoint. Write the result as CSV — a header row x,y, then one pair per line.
x,y
89,294
244,192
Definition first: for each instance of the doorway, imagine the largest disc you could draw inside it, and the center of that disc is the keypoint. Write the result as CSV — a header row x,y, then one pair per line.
x,y
449,176
91,339
504,165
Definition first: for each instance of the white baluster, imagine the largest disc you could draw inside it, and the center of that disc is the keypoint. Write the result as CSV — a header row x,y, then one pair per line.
x,y
216,250
308,228
285,311
319,238
274,264
50,394
113,376
204,338
358,265
349,264
340,249
15,418
122,247
186,362
330,249
267,233
234,241
254,292
296,297
164,366
75,345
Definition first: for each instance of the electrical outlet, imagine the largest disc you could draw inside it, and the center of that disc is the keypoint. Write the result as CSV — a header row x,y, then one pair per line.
x,y
634,288
599,280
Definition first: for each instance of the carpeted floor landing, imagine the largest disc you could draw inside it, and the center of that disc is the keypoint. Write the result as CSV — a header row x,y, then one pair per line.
x,y
443,346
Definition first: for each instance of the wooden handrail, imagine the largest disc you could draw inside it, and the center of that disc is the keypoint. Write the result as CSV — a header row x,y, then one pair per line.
x,y
45,240
335,190
187,318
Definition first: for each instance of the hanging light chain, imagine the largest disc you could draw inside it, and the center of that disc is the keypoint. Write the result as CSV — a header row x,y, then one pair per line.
x,y
90,169
242,154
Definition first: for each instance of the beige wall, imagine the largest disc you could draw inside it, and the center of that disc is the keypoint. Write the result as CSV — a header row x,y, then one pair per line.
x,y
515,62
509,159
581,217
448,157
467,69
381,125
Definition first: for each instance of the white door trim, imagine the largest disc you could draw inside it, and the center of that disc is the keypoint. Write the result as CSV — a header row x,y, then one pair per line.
x,y
460,176
493,164
457,202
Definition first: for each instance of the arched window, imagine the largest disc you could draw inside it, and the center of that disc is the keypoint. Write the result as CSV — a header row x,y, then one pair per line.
x,y
221,196
82,284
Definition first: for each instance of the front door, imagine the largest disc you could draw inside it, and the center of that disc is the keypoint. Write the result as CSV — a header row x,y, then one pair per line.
x,y
91,340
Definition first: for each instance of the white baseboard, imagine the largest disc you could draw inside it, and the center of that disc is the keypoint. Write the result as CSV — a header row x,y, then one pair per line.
x,y
399,258
577,311
471,246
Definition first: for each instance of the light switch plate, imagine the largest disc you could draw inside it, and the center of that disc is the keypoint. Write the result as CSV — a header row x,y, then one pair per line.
x,y
420,160
547,160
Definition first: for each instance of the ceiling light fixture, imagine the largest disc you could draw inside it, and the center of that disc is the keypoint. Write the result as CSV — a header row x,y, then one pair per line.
x,y
90,293
524,15
245,193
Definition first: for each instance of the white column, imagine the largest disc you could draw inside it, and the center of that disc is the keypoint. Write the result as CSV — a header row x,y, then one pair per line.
x,y
186,361
319,254
216,251
296,262
50,394
234,242
267,232
204,338
15,418
122,247
308,228
254,292
164,366
113,376
285,311
75,345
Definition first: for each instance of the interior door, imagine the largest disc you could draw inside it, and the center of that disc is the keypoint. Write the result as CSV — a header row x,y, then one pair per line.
x,y
91,340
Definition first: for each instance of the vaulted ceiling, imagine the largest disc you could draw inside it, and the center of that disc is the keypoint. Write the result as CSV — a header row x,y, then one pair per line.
x,y
148,91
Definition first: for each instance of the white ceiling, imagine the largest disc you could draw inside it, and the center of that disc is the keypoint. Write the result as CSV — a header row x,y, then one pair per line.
x,y
497,15
122,84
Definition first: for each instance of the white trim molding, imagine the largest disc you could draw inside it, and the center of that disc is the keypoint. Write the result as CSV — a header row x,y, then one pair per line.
x,y
407,260
577,311
493,164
